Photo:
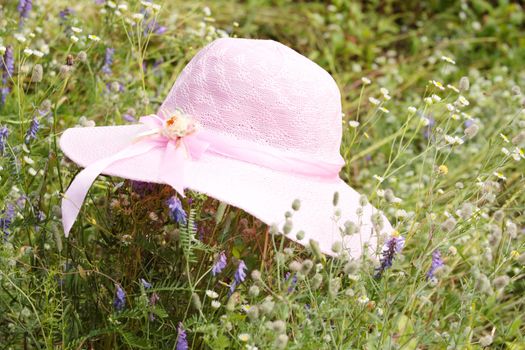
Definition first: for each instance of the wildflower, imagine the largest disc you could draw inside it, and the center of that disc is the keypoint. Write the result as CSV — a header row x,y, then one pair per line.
x,y
182,343
464,84
240,275
366,81
28,52
7,68
379,178
33,129
392,246
145,283
363,299
353,123
453,88
374,101
412,110
24,8
244,337
435,98
4,133
93,37
471,130
38,73
443,169
462,101
176,211
108,60
437,84
212,294
384,110
74,38
501,282
120,299
500,176
138,16
448,59
20,37
281,341
219,265
449,224
6,218
437,263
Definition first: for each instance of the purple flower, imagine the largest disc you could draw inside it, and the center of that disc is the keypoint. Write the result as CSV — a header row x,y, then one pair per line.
x,y
392,246
6,218
120,299
437,262
4,133
152,26
65,13
7,69
153,299
142,188
219,265
33,129
24,7
145,283
293,282
129,118
108,60
176,210
182,343
240,275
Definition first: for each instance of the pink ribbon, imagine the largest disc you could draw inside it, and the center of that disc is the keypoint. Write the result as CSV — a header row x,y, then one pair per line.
x,y
178,151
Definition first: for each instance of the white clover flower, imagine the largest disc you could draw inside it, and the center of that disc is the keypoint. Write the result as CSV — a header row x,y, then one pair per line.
x,y
363,299
366,81
215,304
212,294
448,59
93,37
384,110
38,53
138,16
374,101
353,123
76,30
244,337
20,37
453,88
425,121
28,51
73,38
462,101
28,160
428,100
435,98
412,109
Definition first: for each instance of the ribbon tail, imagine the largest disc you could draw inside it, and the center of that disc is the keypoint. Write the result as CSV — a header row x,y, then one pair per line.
x,y
173,166
77,191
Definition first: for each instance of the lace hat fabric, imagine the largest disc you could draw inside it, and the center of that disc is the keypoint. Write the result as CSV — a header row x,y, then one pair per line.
x,y
249,122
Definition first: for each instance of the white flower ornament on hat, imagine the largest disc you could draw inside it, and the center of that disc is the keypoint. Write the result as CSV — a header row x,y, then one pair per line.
x,y
249,122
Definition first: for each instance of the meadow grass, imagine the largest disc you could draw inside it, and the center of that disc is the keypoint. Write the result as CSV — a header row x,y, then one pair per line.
x,y
434,135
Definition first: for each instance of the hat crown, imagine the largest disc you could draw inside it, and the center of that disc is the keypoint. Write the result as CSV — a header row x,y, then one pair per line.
x,y
264,92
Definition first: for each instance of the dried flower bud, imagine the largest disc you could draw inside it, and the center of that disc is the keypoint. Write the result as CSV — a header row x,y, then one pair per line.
x,y
254,291
300,235
296,204
256,275
196,301
335,200
471,131
317,280
464,84
306,266
38,73
82,56
501,282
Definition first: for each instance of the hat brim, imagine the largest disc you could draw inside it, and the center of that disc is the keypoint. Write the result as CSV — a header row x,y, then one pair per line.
x,y
264,193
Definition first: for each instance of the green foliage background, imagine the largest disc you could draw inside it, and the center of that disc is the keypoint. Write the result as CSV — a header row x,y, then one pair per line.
x,y
57,293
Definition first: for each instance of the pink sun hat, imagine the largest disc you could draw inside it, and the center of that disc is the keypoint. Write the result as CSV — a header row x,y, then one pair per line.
x,y
251,123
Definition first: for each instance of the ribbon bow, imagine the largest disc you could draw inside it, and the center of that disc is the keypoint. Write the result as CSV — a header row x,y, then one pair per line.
x,y
175,135
182,140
